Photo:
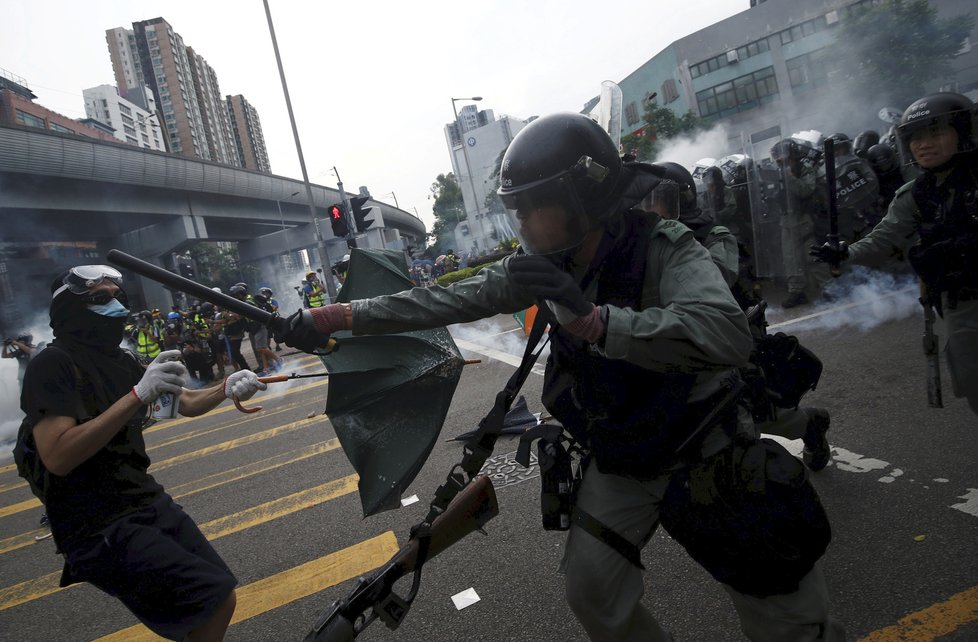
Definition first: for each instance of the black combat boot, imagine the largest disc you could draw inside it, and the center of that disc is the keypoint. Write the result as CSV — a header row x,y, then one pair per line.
x,y
817,453
794,298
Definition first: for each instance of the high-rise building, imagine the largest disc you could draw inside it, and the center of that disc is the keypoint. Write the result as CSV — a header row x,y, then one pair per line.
x,y
469,118
130,123
213,111
195,117
248,138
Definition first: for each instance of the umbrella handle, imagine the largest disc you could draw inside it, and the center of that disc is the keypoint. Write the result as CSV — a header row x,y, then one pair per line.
x,y
274,379
237,404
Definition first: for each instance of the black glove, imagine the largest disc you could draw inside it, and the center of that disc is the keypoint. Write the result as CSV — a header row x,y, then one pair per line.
x,y
298,331
829,253
541,277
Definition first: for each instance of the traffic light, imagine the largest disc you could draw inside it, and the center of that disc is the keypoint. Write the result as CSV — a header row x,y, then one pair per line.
x,y
338,221
359,214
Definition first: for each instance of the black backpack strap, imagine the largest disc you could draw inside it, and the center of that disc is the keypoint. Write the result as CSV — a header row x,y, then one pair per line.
x,y
598,529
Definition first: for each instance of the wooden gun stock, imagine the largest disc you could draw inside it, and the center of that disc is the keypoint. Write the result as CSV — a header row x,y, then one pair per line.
x,y
474,506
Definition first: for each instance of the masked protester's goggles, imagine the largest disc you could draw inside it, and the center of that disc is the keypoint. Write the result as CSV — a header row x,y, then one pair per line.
x,y
549,215
81,279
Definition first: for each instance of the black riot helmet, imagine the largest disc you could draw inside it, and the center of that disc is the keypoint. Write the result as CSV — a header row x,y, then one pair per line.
x,y
785,150
238,290
843,144
713,177
689,212
882,158
562,169
207,309
934,112
865,140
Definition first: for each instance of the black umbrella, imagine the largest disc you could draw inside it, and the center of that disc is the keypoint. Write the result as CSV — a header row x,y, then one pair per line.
x,y
388,394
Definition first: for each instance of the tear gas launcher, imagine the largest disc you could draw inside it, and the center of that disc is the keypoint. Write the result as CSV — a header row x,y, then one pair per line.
x,y
374,596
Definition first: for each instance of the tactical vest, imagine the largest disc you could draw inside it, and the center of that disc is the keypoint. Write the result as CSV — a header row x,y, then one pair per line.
x,y
631,419
946,258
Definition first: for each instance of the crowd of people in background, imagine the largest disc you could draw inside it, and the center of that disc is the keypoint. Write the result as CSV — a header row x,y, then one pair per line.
x,y
208,336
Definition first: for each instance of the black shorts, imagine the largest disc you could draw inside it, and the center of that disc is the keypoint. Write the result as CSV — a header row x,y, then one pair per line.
x,y
158,563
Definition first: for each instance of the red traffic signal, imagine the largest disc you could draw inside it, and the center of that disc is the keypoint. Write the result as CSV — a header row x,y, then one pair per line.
x,y
338,221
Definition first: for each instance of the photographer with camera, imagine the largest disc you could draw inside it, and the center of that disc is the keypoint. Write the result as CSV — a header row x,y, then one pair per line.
x,y
22,350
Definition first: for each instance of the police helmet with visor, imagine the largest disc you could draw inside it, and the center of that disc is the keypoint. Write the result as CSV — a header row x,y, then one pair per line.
x,y
556,180
933,113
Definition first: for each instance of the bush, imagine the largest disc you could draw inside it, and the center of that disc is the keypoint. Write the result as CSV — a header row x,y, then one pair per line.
x,y
458,275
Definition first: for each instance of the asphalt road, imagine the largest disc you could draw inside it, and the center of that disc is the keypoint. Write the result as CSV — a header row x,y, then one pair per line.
x,y
275,494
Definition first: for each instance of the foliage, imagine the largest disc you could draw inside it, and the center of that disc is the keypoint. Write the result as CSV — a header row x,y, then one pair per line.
x,y
901,47
451,277
219,264
508,246
448,207
661,124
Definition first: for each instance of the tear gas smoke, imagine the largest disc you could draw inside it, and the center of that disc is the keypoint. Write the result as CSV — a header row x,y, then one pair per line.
x,y
863,299
686,150
493,334
10,388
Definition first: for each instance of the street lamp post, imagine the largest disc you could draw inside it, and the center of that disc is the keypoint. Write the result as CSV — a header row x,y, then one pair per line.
x,y
465,155
395,199
323,254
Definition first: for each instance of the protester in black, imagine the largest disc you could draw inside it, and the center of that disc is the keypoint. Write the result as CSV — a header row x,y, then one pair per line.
x,y
85,404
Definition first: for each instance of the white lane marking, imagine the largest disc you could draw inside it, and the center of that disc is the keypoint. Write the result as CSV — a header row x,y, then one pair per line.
x,y
844,460
970,505
498,355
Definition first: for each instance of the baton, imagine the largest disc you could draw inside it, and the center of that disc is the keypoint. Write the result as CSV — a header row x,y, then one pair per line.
x,y
200,291
833,199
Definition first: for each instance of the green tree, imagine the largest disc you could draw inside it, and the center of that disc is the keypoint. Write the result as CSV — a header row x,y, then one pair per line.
x,y
889,53
448,207
219,264
661,124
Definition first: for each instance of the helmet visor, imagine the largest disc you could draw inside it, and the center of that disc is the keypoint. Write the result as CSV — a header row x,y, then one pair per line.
x,y
82,278
936,132
549,217
663,200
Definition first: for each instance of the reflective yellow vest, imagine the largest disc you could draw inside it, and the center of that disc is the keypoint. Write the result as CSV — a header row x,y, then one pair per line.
x,y
147,345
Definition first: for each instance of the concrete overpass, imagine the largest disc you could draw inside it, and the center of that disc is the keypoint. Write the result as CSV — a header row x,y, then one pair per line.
x,y
57,190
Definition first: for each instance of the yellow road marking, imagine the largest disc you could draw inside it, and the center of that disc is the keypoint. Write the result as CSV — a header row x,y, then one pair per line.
x,y
279,507
200,485
293,584
39,587
932,622
185,457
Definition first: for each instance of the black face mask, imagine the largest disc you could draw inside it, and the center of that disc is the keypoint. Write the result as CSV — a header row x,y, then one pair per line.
x,y
73,322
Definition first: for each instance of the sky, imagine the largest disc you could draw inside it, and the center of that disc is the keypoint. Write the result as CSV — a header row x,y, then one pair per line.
x,y
371,81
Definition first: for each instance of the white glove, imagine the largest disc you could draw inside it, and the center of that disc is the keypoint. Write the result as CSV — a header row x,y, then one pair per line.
x,y
243,384
165,374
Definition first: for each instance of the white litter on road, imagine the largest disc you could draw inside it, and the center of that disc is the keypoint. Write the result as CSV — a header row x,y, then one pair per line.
x,y
468,597
407,501
970,505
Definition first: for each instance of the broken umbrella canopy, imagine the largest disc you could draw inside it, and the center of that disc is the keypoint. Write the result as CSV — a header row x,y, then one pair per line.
x,y
388,394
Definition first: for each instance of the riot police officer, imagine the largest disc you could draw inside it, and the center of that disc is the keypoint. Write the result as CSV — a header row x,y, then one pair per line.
x,y
645,337
934,220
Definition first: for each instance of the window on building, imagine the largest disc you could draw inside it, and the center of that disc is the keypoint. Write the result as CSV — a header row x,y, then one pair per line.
x,y
809,70
55,127
631,113
125,109
669,91
741,94
29,120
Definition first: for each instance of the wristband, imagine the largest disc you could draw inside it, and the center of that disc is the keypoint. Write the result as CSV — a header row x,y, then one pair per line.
x,y
590,327
329,318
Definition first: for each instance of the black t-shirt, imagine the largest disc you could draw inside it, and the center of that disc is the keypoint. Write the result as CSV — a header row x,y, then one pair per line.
x,y
111,483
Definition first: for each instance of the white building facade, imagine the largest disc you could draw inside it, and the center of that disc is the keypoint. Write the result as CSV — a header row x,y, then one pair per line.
x,y
481,148
131,123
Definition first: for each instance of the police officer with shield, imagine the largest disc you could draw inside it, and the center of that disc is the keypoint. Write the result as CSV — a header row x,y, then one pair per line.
x,y
933,220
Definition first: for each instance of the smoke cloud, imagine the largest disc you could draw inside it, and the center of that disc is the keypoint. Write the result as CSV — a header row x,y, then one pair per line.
x,y
863,299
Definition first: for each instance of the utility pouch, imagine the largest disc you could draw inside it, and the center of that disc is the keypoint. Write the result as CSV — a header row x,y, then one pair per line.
x,y
558,480
790,369
750,516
